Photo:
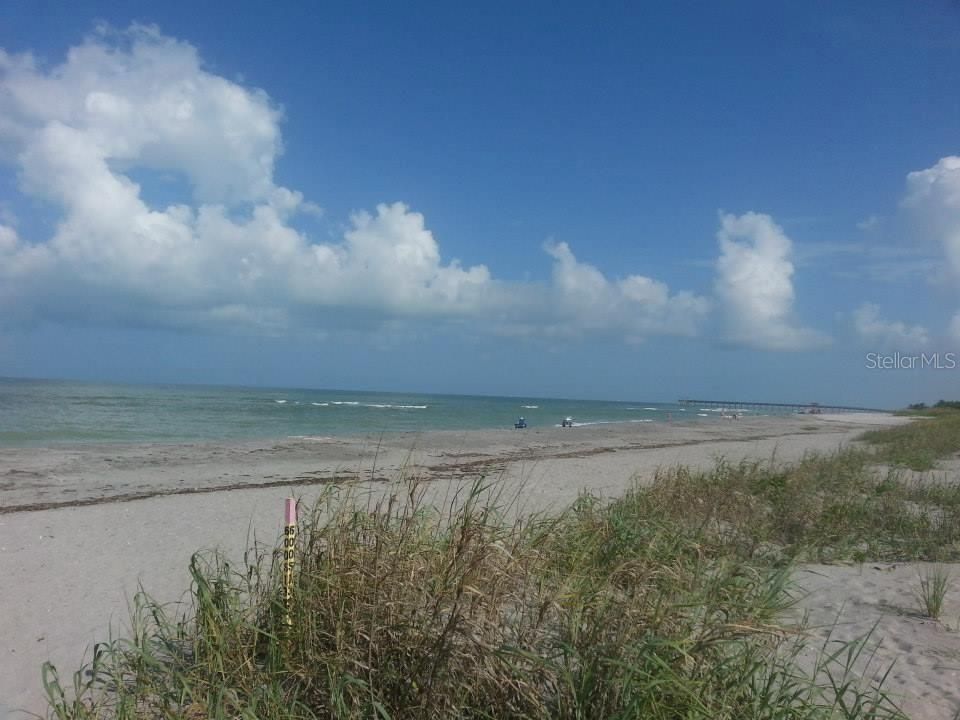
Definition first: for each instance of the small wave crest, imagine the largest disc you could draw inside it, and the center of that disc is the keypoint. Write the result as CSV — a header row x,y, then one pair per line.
x,y
388,406
378,406
586,423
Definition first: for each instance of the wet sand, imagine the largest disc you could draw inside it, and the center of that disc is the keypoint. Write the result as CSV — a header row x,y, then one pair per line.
x,y
70,476
80,527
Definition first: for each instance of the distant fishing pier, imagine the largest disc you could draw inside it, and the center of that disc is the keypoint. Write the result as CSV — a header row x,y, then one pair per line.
x,y
812,408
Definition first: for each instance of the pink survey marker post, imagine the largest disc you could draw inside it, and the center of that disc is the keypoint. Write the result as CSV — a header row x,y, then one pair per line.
x,y
289,543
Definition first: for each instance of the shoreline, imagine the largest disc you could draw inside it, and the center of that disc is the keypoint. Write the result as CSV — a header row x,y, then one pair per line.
x,y
34,479
69,571
692,419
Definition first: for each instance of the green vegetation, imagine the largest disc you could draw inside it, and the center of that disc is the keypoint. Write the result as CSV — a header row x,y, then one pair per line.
x,y
920,443
824,508
940,405
606,611
934,584
663,603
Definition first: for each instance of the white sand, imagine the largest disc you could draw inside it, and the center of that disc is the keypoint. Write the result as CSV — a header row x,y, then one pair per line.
x,y
845,602
69,564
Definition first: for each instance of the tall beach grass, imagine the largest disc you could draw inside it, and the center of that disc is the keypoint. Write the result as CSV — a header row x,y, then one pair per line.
x,y
933,434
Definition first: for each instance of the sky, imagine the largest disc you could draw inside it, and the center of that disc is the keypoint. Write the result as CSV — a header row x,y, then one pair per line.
x,y
642,201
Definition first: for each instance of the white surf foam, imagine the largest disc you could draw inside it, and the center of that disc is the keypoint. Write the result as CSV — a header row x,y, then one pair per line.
x,y
587,423
389,406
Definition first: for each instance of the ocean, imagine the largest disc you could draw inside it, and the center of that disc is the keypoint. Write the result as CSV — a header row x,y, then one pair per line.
x,y
38,413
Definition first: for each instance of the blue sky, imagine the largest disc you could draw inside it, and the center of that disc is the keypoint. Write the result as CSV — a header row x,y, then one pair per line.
x,y
643,201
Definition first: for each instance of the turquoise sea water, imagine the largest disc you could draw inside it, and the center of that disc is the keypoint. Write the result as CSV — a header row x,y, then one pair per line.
x,y
52,412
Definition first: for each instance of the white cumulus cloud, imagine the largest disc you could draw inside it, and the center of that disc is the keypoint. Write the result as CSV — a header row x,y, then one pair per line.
x,y
141,98
125,107
754,284
954,329
934,195
138,100
636,305
896,335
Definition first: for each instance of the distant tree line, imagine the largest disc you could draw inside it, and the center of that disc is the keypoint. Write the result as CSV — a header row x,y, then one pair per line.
x,y
952,404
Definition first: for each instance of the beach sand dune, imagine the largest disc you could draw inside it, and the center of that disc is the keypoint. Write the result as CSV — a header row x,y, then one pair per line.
x,y
879,600
82,528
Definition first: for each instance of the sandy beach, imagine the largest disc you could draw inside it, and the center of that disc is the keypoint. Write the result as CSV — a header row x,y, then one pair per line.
x,y
82,526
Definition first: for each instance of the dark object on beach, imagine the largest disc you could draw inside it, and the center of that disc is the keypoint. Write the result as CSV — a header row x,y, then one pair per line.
x,y
567,422
520,423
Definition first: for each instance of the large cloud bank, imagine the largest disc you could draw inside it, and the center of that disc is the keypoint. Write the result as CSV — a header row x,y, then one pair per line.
x,y
141,101
136,101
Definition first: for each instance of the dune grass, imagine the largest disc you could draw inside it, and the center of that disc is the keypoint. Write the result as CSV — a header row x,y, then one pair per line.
x,y
663,603
823,508
935,433
608,610
934,583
